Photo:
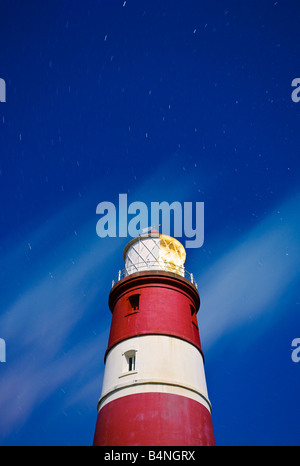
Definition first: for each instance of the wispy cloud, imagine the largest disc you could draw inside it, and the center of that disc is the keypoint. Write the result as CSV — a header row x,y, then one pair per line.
x,y
248,281
42,326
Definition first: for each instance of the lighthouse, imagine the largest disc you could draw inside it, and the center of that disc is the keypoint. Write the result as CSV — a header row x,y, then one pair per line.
x,y
154,389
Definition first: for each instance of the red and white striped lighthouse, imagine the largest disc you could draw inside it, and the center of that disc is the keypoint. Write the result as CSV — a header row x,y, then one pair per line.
x,y
154,389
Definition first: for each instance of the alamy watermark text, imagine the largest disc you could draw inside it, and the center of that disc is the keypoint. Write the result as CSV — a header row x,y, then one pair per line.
x,y
130,220
2,350
296,350
296,92
2,90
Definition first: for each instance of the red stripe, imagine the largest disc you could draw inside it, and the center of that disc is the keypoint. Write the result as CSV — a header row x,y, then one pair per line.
x,y
154,419
165,305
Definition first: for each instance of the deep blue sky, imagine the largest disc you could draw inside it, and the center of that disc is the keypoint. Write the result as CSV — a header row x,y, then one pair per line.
x,y
163,100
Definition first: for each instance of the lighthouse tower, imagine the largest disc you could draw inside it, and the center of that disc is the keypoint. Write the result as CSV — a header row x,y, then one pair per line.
x,y
154,389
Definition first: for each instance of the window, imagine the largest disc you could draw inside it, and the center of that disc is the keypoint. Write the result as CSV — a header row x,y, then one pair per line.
x,y
194,316
134,301
129,363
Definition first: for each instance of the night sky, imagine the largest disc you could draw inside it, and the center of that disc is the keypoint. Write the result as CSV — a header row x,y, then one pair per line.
x,y
164,100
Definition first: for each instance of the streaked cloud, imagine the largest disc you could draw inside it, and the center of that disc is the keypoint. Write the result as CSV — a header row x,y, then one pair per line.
x,y
42,325
250,278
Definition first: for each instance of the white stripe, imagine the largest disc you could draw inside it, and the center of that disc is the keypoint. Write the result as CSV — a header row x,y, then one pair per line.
x,y
162,364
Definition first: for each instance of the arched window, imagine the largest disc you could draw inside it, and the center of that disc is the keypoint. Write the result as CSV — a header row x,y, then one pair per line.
x,y
130,361
134,302
194,316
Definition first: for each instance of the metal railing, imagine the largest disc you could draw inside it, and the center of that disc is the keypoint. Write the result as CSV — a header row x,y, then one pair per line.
x,y
155,265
